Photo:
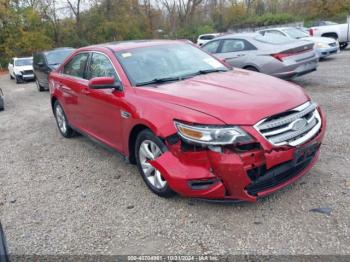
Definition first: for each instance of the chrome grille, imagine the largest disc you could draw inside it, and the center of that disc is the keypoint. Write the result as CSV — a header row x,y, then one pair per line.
x,y
293,127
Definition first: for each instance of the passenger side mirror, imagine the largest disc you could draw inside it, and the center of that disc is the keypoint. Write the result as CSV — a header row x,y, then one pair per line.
x,y
105,83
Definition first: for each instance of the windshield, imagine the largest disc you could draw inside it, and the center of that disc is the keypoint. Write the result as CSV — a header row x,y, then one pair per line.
x,y
273,39
166,61
295,33
57,57
24,62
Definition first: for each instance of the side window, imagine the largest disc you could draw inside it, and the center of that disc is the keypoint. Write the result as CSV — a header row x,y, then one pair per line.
x,y
212,47
76,66
236,45
39,58
101,66
274,32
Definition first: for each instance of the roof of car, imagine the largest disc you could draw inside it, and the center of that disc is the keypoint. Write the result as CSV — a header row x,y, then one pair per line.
x,y
123,45
238,35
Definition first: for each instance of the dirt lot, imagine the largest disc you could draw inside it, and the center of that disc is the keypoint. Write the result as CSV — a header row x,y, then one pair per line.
x,y
60,196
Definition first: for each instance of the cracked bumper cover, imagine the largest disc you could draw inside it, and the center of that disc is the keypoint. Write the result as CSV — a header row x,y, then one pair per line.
x,y
228,175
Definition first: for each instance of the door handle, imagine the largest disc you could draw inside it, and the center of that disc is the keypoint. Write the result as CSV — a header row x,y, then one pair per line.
x,y
85,91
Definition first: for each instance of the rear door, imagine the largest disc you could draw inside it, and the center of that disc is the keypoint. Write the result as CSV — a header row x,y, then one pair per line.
x,y
73,85
39,65
236,51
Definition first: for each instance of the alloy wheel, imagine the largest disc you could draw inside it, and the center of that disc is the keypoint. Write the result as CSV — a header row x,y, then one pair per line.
x,y
149,151
61,119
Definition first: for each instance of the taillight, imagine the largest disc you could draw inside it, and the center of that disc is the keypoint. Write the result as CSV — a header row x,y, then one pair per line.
x,y
280,56
311,32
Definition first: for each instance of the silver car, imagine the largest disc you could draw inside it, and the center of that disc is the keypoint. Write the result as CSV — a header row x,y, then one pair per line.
x,y
269,54
324,46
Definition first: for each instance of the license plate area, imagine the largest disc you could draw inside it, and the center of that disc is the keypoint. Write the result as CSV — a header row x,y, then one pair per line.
x,y
304,153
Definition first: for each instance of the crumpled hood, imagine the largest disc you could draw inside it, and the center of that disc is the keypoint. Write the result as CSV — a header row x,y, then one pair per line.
x,y
236,97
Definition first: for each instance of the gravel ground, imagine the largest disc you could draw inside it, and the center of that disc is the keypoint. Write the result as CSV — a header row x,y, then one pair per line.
x,y
60,196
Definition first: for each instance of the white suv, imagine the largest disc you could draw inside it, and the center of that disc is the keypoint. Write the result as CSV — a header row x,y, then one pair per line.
x,y
21,69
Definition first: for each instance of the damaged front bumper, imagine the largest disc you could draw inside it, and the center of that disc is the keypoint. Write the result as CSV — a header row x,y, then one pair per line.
x,y
233,174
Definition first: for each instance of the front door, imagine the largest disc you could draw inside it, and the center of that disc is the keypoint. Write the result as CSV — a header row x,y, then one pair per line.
x,y
103,106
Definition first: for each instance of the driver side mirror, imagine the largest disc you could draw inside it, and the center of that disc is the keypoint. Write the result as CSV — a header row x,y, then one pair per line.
x,y
105,83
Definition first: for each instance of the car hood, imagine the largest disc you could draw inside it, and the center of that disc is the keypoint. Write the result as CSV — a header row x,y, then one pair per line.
x,y
236,97
21,68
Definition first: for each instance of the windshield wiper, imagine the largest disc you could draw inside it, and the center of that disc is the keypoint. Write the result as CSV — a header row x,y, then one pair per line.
x,y
159,81
208,71
204,72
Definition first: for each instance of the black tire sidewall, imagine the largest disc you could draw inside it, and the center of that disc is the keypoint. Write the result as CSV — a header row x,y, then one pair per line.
x,y
148,135
69,132
40,88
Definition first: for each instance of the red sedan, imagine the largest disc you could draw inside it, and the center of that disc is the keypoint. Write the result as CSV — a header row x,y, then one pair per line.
x,y
192,124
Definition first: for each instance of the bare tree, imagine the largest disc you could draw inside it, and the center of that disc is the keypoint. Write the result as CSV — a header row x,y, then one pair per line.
x,y
75,7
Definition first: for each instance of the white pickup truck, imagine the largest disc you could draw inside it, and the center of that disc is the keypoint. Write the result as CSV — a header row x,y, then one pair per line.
x,y
340,32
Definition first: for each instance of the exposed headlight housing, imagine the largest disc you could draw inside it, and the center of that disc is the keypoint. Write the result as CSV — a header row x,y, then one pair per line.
x,y
212,135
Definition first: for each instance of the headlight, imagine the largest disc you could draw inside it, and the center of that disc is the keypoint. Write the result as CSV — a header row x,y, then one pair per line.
x,y
212,135
321,45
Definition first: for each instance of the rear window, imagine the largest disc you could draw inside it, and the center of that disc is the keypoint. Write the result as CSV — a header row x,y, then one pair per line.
x,y
272,39
207,37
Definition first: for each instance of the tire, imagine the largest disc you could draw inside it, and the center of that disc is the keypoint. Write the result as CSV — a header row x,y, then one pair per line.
x,y
62,122
154,181
38,86
11,77
18,81
251,68
342,46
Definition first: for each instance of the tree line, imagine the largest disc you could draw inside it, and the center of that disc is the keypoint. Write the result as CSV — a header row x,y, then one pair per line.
x,y
27,26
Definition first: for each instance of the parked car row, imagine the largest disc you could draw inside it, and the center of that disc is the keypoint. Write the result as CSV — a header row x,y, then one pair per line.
x,y
38,67
283,52
270,54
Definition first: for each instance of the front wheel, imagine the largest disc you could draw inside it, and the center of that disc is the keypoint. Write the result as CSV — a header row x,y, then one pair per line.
x,y
18,80
342,46
11,77
62,122
149,147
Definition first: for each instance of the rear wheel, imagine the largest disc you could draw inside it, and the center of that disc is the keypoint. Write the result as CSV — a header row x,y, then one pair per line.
x,y
62,122
38,86
149,147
